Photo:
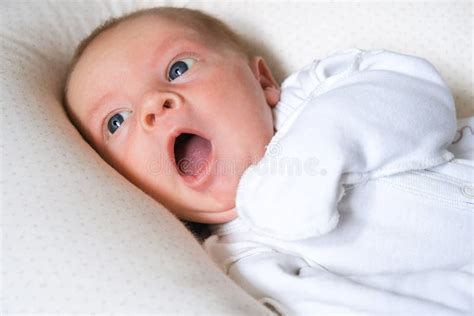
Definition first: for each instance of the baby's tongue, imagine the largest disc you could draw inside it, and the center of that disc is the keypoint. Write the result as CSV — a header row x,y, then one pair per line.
x,y
192,155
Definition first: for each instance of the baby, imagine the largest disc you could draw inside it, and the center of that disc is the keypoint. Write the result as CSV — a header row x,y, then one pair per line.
x,y
335,193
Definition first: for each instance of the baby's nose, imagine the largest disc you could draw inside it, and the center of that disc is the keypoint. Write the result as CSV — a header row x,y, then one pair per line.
x,y
155,106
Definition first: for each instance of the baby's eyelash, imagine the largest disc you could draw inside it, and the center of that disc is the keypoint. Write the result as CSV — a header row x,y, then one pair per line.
x,y
181,56
109,126
180,67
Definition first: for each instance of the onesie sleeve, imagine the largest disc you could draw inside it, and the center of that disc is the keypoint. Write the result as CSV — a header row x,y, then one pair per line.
x,y
291,285
346,119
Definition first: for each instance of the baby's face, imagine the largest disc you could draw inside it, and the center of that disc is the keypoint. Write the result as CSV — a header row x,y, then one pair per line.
x,y
178,117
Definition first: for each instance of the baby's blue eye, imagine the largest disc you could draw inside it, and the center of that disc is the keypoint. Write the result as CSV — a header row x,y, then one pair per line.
x,y
179,68
116,121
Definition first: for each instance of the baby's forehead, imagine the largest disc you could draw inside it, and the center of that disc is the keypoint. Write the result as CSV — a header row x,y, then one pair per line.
x,y
161,26
132,38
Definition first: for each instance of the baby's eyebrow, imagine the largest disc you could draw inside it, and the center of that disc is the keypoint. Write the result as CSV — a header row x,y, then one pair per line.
x,y
172,43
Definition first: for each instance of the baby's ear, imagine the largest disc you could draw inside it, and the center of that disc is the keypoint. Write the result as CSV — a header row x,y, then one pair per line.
x,y
264,76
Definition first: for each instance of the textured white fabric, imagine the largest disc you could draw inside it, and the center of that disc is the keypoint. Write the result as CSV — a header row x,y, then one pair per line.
x,y
403,247
77,237
346,119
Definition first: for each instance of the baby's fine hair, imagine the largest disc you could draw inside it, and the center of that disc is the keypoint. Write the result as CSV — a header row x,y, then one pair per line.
x,y
212,29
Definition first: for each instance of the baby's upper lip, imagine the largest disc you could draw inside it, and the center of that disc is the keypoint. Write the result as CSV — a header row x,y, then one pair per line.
x,y
200,181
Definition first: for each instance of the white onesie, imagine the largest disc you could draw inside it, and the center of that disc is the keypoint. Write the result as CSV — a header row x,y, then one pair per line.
x,y
357,206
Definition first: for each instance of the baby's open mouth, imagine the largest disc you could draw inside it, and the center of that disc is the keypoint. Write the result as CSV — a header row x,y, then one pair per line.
x,y
191,154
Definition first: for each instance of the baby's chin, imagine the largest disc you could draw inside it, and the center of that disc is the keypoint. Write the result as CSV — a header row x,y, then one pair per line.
x,y
216,217
214,205
216,212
